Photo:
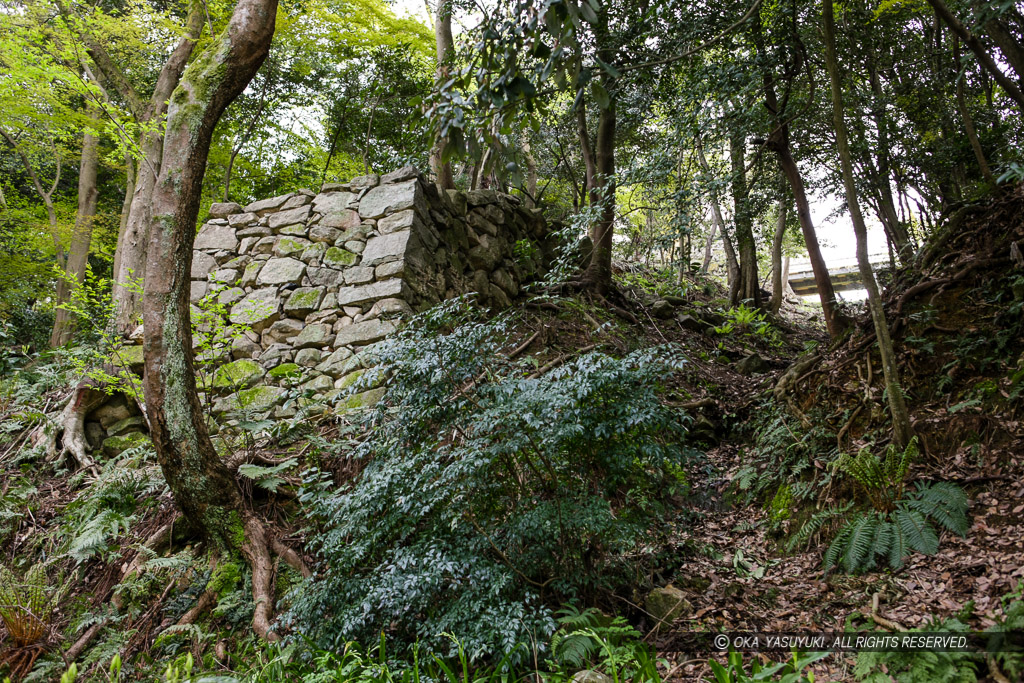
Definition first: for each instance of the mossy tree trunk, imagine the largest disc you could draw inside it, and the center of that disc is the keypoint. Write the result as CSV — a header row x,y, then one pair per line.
x,y
203,486
902,430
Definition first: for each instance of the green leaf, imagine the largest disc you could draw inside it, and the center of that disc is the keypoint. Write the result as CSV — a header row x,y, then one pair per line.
x,y
600,95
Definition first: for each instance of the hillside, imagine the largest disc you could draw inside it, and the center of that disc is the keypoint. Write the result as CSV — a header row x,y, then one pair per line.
x,y
762,408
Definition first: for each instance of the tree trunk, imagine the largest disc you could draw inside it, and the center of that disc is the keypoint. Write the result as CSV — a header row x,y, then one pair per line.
x,y
984,58
780,233
81,237
902,431
599,273
1013,52
445,47
895,229
965,113
749,288
708,243
835,322
779,141
531,176
44,194
130,255
732,266
201,483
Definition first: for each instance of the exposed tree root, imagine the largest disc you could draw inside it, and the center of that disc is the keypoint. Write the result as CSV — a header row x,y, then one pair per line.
x,y
65,436
783,390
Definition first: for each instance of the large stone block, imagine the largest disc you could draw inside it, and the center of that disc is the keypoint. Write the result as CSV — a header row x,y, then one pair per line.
x,y
270,204
297,215
316,335
303,301
403,220
348,296
259,309
336,257
281,331
333,202
365,332
216,237
202,265
388,199
290,246
341,219
242,219
323,233
407,172
389,247
358,275
224,209
279,271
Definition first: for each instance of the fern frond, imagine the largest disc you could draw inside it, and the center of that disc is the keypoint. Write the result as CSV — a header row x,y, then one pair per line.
x,y
942,501
836,548
917,533
815,523
858,549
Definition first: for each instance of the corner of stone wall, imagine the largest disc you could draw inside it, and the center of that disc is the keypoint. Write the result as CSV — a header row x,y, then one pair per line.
x,y
313,281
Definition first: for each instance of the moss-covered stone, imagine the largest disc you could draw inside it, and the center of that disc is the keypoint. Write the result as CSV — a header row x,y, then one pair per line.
x,y
348,380
259,399
135,423
336,257
363,399
240,373
115,445
130,357
667,604
303,300
285,370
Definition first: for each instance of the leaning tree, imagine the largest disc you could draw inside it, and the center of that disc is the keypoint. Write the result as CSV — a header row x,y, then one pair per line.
x,y
203,486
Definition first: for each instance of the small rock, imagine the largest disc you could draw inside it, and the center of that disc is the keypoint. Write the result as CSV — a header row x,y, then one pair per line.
x,y
590,676
667,604
662,309
752,365
688,322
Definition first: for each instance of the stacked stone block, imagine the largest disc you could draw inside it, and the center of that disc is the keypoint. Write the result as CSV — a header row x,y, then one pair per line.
x,y
316,279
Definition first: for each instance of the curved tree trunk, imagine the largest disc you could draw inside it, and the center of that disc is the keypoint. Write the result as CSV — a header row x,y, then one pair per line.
x,y
81,238
902,431
984,58
599,272
203,486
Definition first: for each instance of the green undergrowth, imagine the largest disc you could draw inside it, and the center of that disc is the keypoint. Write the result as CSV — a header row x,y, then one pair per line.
x,y
488,494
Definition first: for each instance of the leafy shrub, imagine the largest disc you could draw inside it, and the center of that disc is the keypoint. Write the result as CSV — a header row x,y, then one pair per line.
x,y
487,492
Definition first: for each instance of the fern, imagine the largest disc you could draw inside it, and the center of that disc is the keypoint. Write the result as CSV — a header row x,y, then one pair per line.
x,y
93,538
943,502
816,523
893,536
881,478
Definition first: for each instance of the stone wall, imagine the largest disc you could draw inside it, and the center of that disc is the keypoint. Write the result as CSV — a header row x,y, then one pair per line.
x,y
314,280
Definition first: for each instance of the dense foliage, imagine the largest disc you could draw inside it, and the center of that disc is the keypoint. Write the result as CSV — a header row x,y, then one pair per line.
x,y
487,491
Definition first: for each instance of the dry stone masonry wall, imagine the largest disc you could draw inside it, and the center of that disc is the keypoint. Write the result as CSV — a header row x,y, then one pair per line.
x,y
314,280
